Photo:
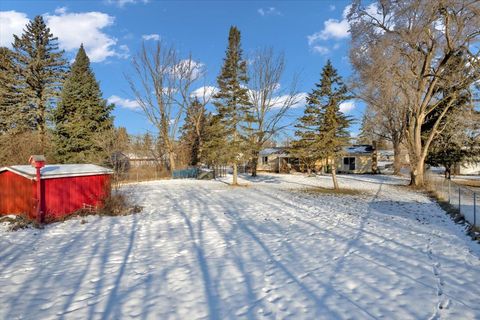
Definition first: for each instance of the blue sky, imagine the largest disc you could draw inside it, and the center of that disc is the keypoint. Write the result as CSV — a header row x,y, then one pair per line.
x,y
308,32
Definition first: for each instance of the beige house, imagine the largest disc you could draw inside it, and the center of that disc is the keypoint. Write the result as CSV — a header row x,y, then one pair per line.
x,y
468,168
275,159
356,159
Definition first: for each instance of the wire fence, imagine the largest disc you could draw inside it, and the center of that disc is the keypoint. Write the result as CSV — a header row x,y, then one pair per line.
x,y
464,199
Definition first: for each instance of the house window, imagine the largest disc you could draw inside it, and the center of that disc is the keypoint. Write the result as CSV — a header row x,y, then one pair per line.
x,y
349,162
264,160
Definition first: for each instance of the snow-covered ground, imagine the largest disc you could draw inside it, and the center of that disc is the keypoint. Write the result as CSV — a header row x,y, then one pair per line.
x,y
270,250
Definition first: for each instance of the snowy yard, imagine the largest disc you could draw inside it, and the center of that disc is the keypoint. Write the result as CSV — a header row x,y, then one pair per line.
x,y
205,250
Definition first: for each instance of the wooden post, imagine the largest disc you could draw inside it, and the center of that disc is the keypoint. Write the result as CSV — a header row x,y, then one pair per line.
x,y
374,157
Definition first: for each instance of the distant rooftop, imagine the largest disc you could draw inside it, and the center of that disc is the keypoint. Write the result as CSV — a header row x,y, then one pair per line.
x,y
359,148
58,170
279,151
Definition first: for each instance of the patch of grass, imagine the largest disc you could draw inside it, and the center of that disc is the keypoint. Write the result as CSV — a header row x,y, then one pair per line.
x,y
341,191
468,183
18,222
118,205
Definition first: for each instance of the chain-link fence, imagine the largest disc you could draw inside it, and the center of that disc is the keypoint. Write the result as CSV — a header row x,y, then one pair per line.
x,y
462,198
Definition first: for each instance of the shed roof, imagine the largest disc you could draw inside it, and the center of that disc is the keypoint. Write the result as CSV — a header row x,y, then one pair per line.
x,y
58,170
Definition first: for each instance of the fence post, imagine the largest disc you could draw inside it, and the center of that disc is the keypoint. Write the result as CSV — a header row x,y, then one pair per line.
x,y
459,200
474,209
449,185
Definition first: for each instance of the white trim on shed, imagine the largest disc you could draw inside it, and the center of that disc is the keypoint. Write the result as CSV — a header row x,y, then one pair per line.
x,y
52,171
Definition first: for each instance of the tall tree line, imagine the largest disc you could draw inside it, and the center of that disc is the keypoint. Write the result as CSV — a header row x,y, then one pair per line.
x,y
46,107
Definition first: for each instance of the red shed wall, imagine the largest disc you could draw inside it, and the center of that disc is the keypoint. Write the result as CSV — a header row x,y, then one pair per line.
x,y
17,194
66,195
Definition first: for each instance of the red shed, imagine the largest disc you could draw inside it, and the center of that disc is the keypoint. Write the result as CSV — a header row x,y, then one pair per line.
x,y
63,189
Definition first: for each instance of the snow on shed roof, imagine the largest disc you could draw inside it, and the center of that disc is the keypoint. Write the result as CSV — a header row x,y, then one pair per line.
x,y
58,170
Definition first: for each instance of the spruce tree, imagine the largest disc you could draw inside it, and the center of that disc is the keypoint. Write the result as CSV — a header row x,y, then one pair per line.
x,y
232,102
193,131
10,97
324,127
214,142
41,70
82,115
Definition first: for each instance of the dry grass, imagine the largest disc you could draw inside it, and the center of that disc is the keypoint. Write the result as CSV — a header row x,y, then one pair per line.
x,y
118,205
18,222
468,183
341,191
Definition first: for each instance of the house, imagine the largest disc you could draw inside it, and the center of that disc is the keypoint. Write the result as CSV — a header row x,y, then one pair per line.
x,y
49,192
275,159
357,159
468,168
139,160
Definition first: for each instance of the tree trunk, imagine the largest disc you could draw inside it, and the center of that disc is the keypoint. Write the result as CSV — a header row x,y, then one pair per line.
x,y
417,171
235,174
397,160
254,165
448,172
171,160
334,175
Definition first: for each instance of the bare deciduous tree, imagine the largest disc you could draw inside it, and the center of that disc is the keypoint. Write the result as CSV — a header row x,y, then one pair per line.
x,y
162,88
428,46
385,115
271,102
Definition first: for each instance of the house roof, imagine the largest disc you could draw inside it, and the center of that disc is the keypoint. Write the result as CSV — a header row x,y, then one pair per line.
x,y
51,171
279,151
359,148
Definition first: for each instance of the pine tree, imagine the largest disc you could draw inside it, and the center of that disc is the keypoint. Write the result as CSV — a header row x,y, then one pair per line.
x,y
193,131
232,102
41,69
82,114
323,128
214,142
10,97
304,148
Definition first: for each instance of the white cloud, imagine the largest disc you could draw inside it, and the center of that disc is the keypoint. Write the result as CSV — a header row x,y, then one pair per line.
x,y
320,49
61,10
152,36
205,92
72,29
122,3
124,103
11,22
332,29
347,106
280,101
332,7
271,11
187,66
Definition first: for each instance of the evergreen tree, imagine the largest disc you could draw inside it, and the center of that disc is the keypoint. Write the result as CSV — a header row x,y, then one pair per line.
x,y
10,97
82,114
304,148
41,69
193,131
214,142
232,102
323,128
